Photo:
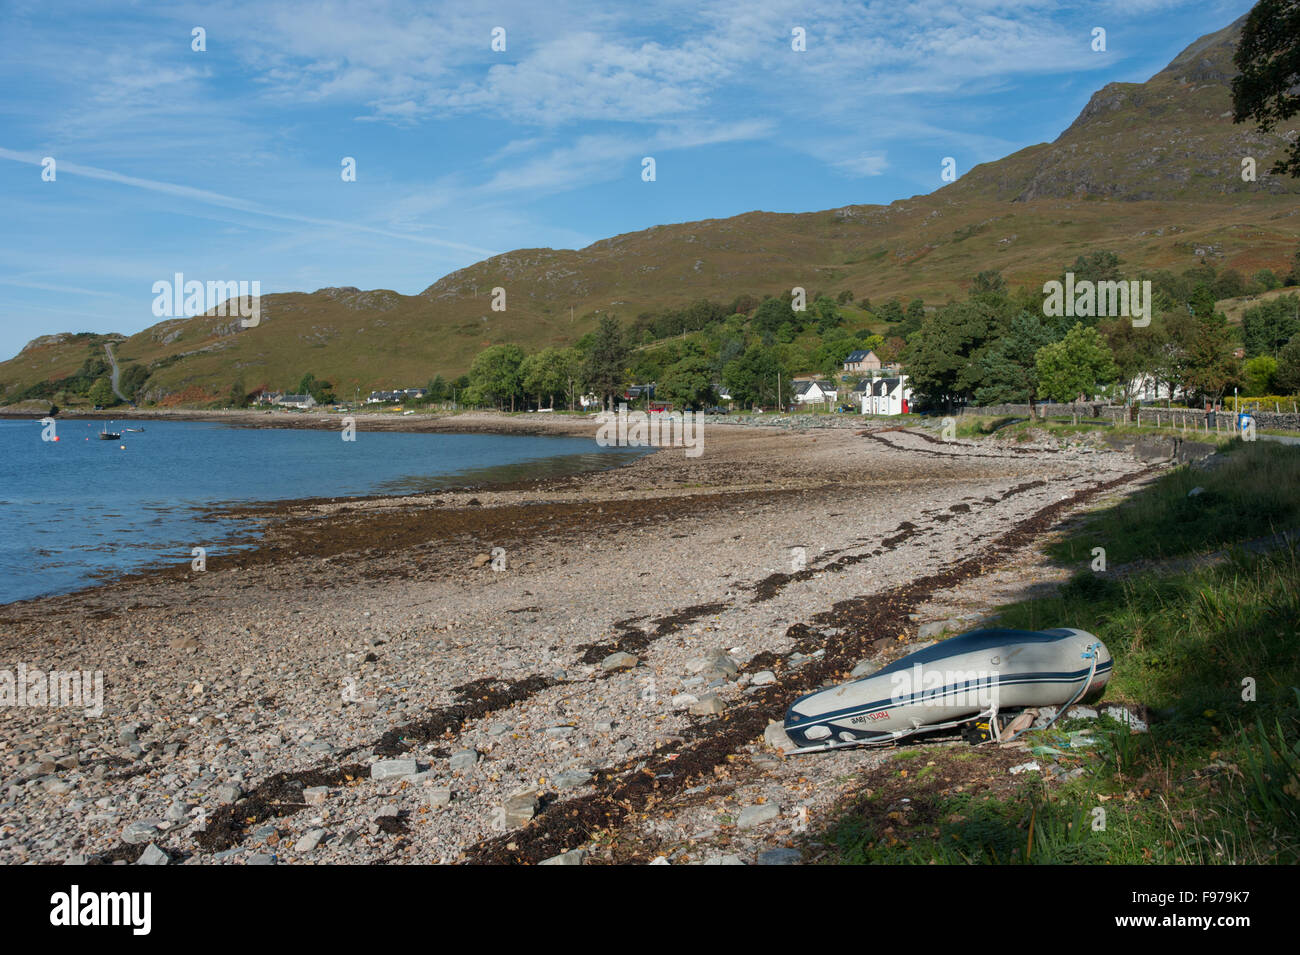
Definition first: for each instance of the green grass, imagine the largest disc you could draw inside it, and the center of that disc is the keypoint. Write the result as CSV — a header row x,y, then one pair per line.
x,y
1217,778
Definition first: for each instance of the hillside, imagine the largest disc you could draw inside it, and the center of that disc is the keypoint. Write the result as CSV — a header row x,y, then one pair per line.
x,y
1150,170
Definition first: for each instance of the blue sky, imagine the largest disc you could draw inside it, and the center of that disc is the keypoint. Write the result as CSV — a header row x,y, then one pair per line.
x,y
225,164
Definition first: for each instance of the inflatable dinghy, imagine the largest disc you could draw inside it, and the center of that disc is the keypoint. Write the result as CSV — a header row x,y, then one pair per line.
x,y
984,674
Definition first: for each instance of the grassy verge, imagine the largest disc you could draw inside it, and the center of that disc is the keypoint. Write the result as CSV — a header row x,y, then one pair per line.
x,y
1210,646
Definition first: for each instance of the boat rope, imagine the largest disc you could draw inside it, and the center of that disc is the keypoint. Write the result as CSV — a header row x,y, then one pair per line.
x,y
1091,652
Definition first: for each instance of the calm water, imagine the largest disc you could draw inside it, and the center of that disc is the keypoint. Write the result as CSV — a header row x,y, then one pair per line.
x,y
77,510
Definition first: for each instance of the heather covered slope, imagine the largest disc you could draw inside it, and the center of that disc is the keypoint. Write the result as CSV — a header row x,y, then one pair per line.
x,y
1150,171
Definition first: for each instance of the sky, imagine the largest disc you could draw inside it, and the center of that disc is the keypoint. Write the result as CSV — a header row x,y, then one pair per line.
x,y
478,128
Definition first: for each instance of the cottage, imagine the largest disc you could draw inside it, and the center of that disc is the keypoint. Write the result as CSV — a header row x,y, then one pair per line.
x,y
296,401
885,396
861,363
814,392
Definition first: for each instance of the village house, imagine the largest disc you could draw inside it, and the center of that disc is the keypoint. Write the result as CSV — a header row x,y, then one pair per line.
x,y
861,363
296,401
884,396
813,392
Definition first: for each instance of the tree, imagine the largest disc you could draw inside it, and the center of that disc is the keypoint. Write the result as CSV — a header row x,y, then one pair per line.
x,y
1099,266
321,391
1268,326
688,383
844,297
939,355
544,373
891,311
494,375
772,314
1287,379
988,282
238,394
1257,375
1267,89
1008,366
1079,364
131,382
1266,280
752,378
606,364
101,393
1211,365
1136,351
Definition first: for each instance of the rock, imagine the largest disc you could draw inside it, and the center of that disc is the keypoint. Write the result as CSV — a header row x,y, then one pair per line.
x,y
140,832
153,856
863,668
184,643
439,798
776,737
260,858
763,678
936,627
572,857
393,768
571,778
560,732
310,840
752,816
520,807
1030,767
780,857
315,795
1135,723
1081,713
723,860
707,705
480,559
464,759
684,701
229,793
177,812
619,661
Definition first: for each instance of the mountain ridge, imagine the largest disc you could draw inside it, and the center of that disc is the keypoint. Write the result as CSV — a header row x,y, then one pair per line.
x,y
1150,170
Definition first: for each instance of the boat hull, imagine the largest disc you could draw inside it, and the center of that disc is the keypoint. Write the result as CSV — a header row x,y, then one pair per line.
x,y
954,681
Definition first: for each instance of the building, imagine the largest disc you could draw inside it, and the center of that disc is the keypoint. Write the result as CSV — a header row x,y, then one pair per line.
x,y
296,401
814,392
861,363
885,396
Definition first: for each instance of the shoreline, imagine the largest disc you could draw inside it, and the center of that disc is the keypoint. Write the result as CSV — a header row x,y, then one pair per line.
x,y
371,632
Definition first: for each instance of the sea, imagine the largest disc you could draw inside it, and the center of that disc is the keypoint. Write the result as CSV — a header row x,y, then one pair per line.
x,y
81,510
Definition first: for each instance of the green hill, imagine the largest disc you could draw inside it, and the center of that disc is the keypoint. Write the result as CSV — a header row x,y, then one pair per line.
x,y
1151,171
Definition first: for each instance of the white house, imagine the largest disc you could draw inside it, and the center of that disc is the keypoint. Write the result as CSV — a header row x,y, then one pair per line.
x,y
814,393
885,396
296,401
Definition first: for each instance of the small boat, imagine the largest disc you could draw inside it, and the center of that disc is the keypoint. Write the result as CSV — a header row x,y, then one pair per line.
x,y
986,674
106,435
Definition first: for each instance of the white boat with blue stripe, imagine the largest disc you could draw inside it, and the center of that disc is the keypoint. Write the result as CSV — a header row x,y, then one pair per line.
x,y
986,674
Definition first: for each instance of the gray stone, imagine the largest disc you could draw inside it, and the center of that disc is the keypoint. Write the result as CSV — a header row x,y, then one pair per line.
x,y
439,798
763,678
153,856
619,661
140,832
863,668
780,857
520,807
560,732
936,627
310,840
464,759
775,736
752,816
229,793
315,795
571,778
708,705
260,858
572,857
1121,715
393,768
723,860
